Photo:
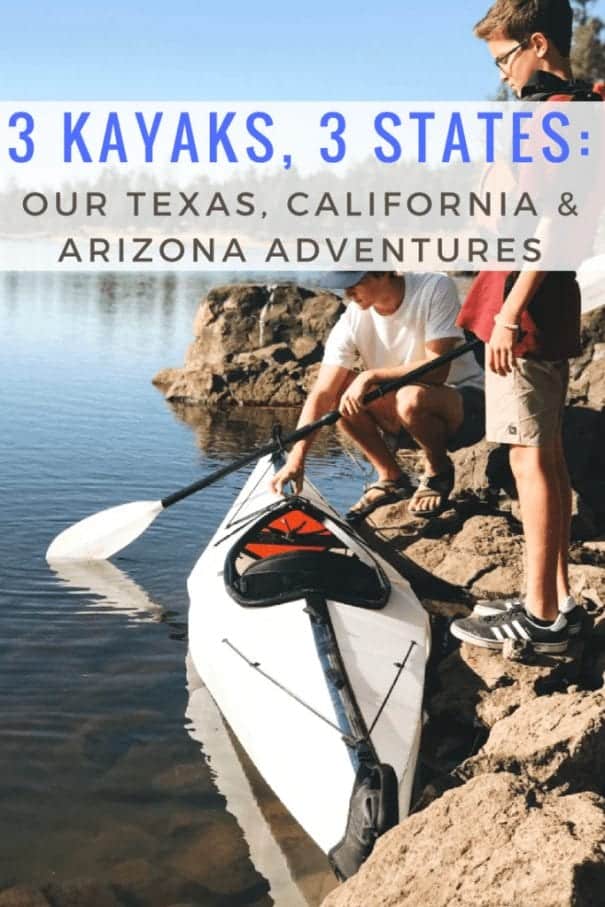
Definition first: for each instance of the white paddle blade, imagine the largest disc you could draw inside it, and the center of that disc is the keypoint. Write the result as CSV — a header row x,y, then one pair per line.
x,y
99,536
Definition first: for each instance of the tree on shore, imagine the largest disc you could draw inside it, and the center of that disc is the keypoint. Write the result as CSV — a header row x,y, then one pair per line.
x,y
588,48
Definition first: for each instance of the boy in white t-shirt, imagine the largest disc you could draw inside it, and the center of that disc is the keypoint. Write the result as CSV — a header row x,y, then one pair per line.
x,y
394,324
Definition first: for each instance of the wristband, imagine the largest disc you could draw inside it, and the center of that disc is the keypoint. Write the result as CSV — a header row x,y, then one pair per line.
x,y
504,324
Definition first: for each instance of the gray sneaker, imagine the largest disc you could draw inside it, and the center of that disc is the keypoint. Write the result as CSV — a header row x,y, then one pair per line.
x,y
574,614
491,632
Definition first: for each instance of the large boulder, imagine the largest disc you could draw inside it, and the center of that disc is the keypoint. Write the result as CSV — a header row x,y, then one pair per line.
x,y
584,429
553,741
588,370
491,843
478,685
254,346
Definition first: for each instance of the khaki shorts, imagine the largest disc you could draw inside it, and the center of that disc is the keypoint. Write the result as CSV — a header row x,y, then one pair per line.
x,y
525,407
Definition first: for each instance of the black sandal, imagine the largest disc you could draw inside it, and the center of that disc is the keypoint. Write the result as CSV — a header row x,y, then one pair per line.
x,y
393,490
440,485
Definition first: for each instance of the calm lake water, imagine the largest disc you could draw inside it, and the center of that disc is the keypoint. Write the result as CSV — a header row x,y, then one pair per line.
x,y
117,778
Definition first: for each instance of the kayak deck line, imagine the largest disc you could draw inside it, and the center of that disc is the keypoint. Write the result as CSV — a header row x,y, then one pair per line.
x,y
337,678
233,522
236,525
401,666
348,739
276,457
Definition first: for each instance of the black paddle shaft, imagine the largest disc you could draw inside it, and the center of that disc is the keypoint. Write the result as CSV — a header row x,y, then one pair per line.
x,y
329,419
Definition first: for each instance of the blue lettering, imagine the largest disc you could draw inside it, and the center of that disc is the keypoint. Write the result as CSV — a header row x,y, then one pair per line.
x,y
422,117
556,137
218,137
184,140
264,141
456,140
149,135
25,137
490,118
519,136
72,135
113,140
390,139
335,135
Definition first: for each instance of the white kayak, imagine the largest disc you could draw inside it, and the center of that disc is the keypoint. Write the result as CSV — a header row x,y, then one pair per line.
x,y
314,648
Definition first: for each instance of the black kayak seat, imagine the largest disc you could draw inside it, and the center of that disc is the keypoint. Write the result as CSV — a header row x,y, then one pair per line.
x,y
297,574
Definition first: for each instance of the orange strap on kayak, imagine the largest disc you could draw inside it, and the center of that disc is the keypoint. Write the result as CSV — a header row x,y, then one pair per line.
x,y
294,526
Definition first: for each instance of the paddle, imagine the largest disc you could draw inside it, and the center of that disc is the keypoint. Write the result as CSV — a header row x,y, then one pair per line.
x,y
99,536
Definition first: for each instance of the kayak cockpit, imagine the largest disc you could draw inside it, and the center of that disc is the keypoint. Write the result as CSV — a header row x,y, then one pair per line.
x,y
290,553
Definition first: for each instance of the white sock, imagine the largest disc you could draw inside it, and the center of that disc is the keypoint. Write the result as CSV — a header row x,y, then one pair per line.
x,y
567,605
559,623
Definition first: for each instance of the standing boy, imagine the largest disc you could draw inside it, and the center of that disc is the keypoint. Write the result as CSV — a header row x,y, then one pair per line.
x,y
531,324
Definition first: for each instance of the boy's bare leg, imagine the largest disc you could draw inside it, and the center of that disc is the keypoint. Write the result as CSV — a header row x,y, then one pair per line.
x,y
363,429
429,413
537,474
566,505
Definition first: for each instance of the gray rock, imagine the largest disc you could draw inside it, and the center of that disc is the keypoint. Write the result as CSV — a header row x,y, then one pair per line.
x,y
542,726
23,896
484,556
517,650
487,844
553,741
215,857
82,893
479,686
588,581
253,346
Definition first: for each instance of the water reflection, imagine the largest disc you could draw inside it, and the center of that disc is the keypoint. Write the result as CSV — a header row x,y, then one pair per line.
x,y
236,430
298,872
109,588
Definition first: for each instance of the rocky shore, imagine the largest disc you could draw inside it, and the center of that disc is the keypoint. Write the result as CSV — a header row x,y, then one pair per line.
x,y
513,753
510,807
253,346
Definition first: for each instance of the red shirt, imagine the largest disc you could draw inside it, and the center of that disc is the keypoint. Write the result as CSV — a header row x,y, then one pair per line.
x,y
550,325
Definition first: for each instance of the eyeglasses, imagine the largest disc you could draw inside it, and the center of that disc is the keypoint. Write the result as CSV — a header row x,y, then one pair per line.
x,y
503,59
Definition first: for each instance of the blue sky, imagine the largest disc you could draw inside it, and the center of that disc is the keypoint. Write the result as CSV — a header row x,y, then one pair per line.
x,y
315,50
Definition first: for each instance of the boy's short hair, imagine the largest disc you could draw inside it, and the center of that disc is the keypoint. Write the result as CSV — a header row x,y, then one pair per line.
x,y
518,19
